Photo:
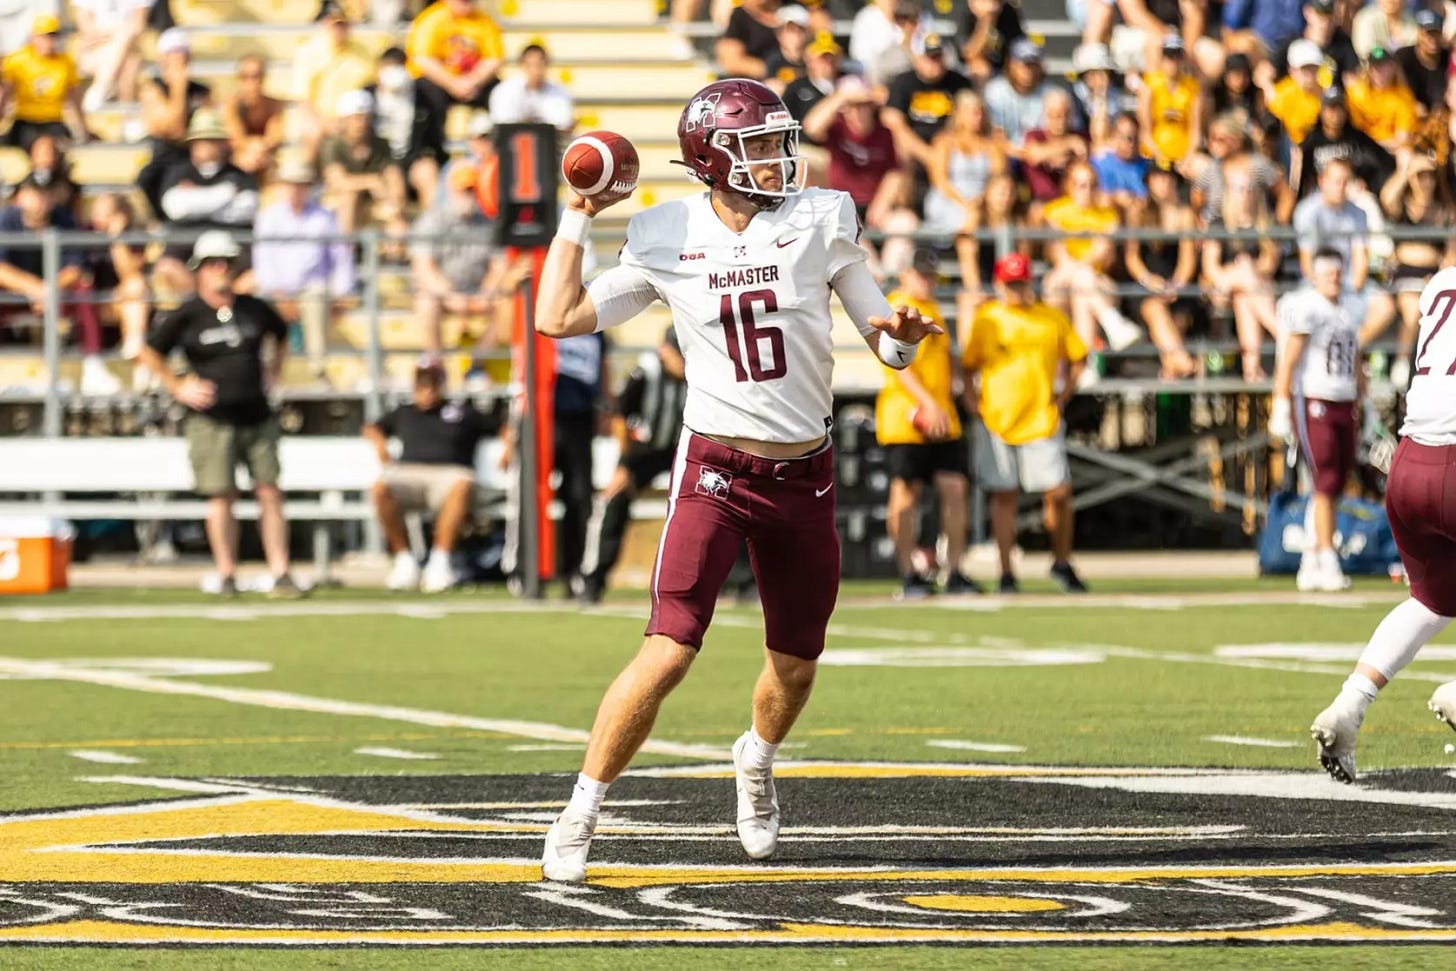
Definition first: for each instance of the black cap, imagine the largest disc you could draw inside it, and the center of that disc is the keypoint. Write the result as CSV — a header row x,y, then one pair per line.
x,y
1322,6
1428,19
1237,62
1378,55
932,44
429,366
1333,97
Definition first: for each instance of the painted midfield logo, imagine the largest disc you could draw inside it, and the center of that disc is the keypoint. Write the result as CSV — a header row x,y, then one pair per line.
x,y
711,482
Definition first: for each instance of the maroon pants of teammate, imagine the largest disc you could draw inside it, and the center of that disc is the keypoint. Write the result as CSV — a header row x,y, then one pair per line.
x,y
1420,499
1327,437
721,496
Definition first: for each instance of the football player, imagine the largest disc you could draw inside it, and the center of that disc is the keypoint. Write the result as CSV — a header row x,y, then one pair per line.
x,y
1420,498
747,268
1318,385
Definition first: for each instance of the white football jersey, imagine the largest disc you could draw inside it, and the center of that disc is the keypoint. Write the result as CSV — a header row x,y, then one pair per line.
x,y
1326,370
751,309
1430,405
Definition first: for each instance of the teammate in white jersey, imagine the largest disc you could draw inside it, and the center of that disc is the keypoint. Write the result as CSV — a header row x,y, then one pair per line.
x,y
1420,498
1319,383
747,268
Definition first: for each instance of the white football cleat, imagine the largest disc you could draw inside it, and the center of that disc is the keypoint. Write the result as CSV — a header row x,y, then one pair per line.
x,y
405,574
567,843
1334,731
1443,703
758,806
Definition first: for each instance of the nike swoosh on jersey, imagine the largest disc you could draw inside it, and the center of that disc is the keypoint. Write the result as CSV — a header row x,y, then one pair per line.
x,y
786,242
818,493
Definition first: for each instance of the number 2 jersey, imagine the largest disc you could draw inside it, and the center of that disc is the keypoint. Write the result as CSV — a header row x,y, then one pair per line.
x,y
1430,405
751,309
1326,372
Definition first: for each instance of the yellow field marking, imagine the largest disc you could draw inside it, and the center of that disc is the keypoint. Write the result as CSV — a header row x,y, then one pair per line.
x,y
969,903
102,931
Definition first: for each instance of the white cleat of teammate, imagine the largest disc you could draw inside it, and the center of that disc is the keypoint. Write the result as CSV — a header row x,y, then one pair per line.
x,y
567,843
758,805
1334,731
405,574
1321,573
1443,703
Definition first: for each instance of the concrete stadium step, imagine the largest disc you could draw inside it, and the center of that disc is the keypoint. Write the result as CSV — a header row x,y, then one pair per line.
x,y
565,13
280,42
90,164
641,121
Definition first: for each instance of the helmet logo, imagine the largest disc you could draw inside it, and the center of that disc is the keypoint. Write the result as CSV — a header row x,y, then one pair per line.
x,y
702,113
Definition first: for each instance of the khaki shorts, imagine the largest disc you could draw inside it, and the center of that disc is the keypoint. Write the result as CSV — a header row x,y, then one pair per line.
x,y
419,486
1035,466
217,449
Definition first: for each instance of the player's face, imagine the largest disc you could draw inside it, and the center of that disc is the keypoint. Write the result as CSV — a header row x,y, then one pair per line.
x,y
759,148
1328,277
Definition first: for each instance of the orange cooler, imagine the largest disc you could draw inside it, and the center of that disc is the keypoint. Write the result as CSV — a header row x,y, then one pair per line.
x,y
35,555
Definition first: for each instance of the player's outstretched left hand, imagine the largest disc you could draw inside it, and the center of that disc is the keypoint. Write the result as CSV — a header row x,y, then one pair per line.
x,y
906,325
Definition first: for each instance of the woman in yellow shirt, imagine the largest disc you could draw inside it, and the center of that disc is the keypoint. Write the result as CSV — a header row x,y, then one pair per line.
x,y
1078,284
1170,105
1381,104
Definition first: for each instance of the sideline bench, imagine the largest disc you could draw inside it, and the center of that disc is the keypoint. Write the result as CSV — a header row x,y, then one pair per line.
x,y
324,479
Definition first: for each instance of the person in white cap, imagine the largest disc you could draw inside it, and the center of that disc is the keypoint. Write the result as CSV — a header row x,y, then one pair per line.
x,y
299,261
1099,90
235,345
1295,100
360,173
528,95
202,190
170,95
787,63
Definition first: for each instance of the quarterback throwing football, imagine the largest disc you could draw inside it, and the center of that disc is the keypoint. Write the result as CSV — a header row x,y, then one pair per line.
x,y
747,268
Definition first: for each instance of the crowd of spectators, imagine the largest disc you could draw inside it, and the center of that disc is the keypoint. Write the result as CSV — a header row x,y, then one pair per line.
x,y
365,142
1228,130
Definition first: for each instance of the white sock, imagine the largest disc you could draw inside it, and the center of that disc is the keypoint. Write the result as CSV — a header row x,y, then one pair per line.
x,y
439,556
1358,691
404,556
1400,636
1330,560
758,753
587,796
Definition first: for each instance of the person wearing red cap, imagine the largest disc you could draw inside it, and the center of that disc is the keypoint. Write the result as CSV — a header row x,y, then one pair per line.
x,y
1013,359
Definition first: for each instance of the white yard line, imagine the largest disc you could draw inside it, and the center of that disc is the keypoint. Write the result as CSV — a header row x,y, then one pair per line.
x,y
287,700
547,747
105,758
1251,741
956,743
394,753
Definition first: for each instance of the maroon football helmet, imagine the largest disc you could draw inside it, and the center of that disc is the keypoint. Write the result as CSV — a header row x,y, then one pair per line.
x,y
715,127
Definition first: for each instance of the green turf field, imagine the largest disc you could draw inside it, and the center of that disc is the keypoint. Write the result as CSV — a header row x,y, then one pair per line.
x,y
391,763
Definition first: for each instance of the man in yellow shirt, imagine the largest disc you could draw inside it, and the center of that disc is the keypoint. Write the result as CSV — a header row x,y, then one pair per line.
x,y
455,53
1016,347
328,65
916,422
1295,100
1381,104
43,81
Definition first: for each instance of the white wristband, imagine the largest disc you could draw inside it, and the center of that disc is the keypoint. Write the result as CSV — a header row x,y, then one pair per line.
x,y
897,354
575,227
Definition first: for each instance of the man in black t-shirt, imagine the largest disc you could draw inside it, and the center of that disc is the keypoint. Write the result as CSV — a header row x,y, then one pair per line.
x,y
749,40
985,32
821,73
920,104
435,472
1334,137
224,336
1424,62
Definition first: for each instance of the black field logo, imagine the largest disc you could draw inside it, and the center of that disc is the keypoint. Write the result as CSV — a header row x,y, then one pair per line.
x,y
870,854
